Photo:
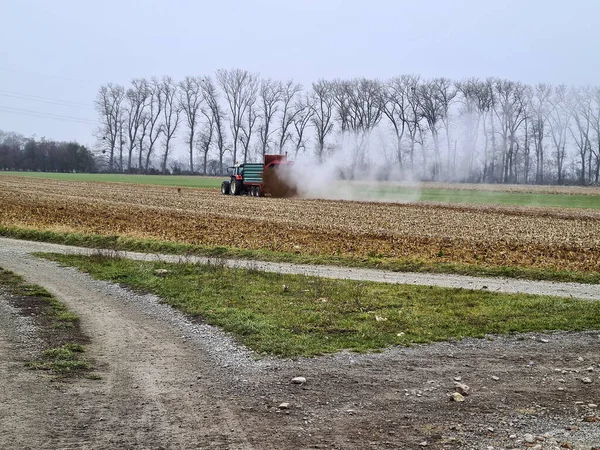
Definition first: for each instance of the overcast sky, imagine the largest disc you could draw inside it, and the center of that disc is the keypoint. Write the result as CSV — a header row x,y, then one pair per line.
x,y
55,54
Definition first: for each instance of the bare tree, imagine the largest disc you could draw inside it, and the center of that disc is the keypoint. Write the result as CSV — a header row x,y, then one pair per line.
x,y
302,113
290,92
340,90
171,116
511,112
446,92
109,105
581,105
141,137
271,94
471,114
155,125
205,139
396,109
240,88
365,104
414,116
433,108
190,99
322,104
136,102
485,105
540,109
247,127
595,121
529,128
364,108
558,120
216,114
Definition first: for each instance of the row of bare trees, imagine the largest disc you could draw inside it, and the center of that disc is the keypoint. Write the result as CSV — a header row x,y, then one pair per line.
x,y
490,130
235,114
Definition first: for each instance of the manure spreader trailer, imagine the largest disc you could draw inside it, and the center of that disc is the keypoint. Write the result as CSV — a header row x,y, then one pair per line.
x,y
258,179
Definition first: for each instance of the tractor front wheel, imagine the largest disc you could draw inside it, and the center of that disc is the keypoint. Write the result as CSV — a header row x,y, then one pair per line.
x,y
225,188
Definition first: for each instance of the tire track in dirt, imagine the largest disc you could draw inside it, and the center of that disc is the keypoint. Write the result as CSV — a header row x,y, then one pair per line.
x,y
160,391
155,388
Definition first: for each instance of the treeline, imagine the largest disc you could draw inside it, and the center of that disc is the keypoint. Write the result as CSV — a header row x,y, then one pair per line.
x,y
475,130
28,154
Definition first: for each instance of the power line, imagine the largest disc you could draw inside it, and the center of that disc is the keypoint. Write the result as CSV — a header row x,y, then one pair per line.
x,y
45,115
39,97
51,101
46,75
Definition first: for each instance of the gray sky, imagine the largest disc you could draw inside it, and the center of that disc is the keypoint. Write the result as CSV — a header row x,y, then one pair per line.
x,y
55,54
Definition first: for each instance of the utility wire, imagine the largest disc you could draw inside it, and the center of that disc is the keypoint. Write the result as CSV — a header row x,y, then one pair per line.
x,y
28,112
45,75
51,101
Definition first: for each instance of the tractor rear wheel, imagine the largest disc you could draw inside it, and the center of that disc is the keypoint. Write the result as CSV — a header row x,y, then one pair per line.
x,y
225,188
236,187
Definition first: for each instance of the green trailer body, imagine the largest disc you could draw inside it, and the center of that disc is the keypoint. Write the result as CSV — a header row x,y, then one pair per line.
x,y
253,173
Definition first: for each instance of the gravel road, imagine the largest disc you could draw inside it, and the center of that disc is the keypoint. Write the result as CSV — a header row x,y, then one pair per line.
x,y
508,285
169,383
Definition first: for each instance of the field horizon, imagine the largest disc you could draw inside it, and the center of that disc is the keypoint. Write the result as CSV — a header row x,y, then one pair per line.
x,y
551,196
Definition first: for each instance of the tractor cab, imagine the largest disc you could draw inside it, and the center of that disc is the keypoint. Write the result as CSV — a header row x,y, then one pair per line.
x,y
235,171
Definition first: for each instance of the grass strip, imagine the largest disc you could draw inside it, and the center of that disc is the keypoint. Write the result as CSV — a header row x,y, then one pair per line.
x,y
54,311
195,181
59,327
376,262
294,315
64,360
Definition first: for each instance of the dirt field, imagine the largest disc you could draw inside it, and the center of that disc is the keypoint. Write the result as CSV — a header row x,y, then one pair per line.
x,y
481,235
169,383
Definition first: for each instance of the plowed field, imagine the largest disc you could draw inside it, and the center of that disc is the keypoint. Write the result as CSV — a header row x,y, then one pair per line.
x,y
515,236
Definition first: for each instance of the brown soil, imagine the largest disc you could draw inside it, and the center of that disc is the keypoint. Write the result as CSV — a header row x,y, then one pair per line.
x,y
162,387
478,235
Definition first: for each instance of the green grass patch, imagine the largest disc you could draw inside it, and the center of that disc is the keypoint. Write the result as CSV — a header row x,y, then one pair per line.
x,y
55,311
63,360
119,243
512,198
464,196
57,326
196,181
293,315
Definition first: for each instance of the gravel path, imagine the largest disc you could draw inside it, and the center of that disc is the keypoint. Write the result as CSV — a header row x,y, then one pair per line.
x,y
508,285
169,383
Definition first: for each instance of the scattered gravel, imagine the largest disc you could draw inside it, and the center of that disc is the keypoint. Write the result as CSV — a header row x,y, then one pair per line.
x,y
508,285
20,329
160,365
221,346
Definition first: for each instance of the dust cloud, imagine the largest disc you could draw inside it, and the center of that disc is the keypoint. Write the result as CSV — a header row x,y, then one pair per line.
x,y
356,169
